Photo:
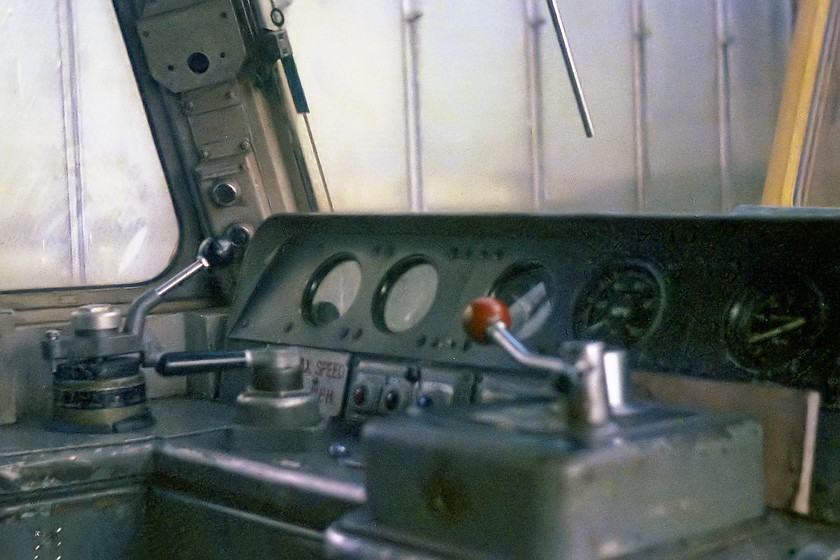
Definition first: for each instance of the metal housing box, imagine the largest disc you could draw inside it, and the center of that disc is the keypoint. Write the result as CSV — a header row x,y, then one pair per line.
x,y
523,486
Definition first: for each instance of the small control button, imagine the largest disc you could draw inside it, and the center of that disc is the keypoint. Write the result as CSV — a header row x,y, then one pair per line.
x,y
365,394
391,400
396,394
360,395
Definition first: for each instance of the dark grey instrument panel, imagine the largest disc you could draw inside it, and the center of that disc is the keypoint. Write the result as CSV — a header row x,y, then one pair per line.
x,y
731,297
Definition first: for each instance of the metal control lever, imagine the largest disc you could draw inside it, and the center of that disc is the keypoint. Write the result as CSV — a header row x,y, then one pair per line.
x,y
487,320
276,397
275,370
213,251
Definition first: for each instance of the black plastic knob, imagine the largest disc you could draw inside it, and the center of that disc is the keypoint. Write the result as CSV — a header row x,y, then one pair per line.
x,y
217,251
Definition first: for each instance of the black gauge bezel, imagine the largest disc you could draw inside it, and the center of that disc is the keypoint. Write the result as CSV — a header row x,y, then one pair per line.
x,y
606,277
380,298
520,268
744,310
315,281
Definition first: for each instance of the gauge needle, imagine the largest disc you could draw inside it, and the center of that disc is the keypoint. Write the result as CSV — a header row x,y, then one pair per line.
x,y
781,329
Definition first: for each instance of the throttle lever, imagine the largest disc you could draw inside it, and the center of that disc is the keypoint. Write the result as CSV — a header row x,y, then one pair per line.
x,y
487,319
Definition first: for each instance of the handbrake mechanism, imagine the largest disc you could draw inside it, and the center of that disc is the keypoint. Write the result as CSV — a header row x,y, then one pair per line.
x,y
97,383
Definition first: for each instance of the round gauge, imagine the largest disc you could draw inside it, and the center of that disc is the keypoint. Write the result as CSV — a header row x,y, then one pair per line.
x,y
332,290
525,289
770,326
621,306
405,295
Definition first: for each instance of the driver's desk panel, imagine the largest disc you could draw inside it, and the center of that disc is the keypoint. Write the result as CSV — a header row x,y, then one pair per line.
x,y
432,445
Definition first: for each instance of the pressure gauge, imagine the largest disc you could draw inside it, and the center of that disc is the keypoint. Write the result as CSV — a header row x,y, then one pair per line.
x,y
770,325
405,295
332,290
622,305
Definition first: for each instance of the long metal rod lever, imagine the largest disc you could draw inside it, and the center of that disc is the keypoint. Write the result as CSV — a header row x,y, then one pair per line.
x,y
190,363
213,251
562,38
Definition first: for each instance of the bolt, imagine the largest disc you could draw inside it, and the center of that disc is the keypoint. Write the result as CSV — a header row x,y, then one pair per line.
x,y
245,145
204,153
188,106
277,17
53,335
229,95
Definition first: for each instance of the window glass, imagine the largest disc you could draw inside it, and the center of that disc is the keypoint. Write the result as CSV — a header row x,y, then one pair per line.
x,y
83,199
350,56
683,95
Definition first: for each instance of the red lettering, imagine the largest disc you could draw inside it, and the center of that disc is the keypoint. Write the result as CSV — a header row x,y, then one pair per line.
x,y
330,370
325,394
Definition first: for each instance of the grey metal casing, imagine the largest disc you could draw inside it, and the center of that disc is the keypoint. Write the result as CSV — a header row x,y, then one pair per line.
x,y
464,485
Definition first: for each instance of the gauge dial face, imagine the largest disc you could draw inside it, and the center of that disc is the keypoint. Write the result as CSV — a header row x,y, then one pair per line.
x,y
332,290
769,326
526,290
406,295
621,306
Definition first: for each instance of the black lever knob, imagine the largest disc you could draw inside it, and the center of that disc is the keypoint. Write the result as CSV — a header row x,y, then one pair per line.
x,y
217,251
213,252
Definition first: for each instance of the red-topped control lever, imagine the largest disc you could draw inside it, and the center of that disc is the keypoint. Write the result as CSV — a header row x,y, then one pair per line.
x,y
486,319
481,314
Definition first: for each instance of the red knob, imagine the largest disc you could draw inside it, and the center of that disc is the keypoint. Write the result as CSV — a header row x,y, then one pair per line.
x,y
480,314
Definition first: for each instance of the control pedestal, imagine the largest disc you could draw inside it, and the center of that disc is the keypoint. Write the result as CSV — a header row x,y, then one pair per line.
x,y
575,476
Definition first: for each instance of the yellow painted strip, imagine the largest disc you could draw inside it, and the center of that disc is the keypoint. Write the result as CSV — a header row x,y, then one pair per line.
x,y
797,96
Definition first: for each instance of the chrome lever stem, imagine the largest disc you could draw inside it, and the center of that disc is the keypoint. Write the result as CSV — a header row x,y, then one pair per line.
x,y
587,377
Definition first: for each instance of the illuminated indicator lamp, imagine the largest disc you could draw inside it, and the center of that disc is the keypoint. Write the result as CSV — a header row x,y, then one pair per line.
x,y
480,314
360,395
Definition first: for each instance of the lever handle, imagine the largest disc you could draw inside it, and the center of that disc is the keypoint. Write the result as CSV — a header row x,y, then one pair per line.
x,y
189,363
481,314
274,369
487,319
213,251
